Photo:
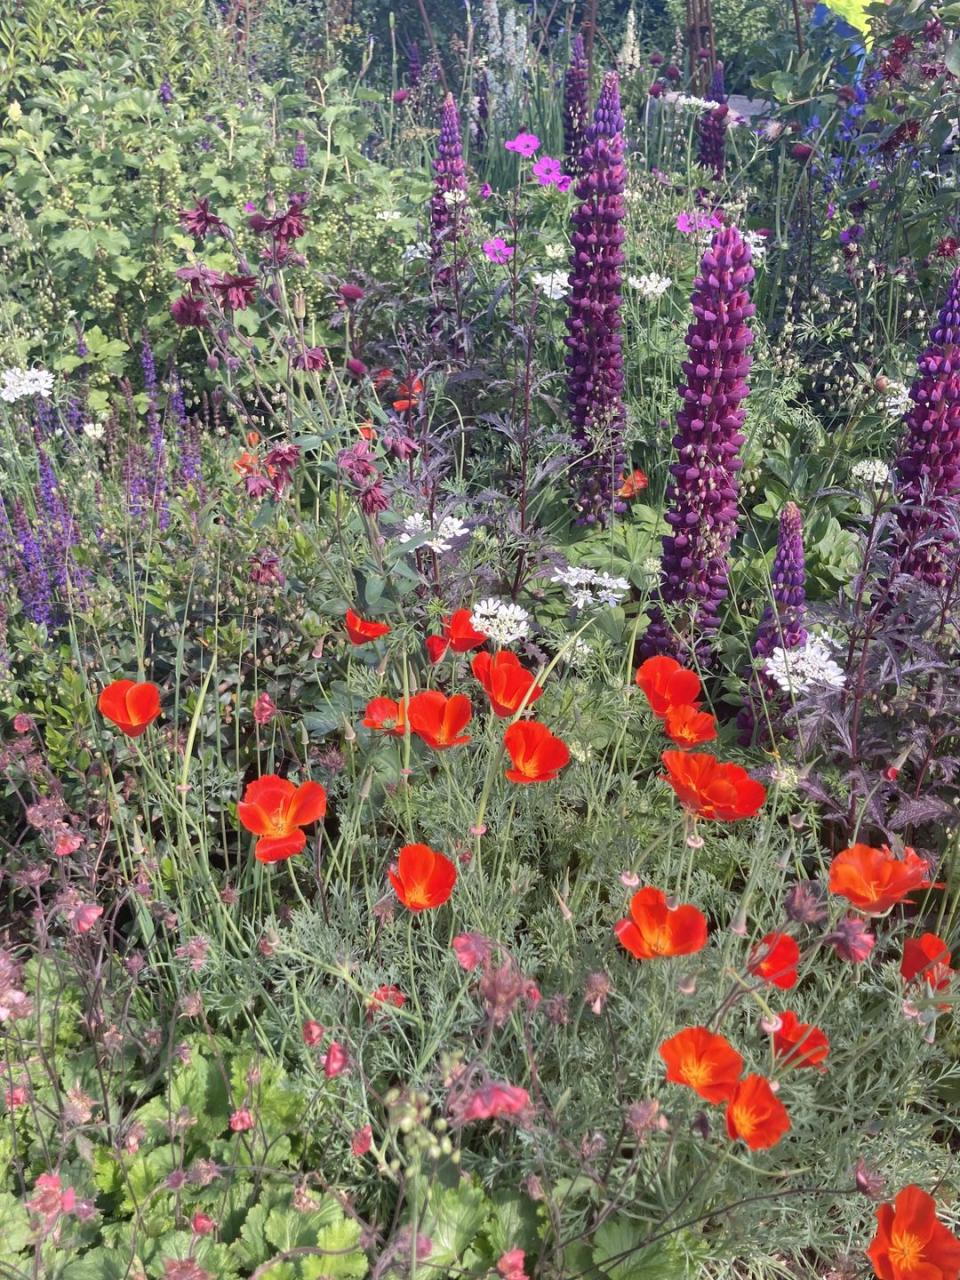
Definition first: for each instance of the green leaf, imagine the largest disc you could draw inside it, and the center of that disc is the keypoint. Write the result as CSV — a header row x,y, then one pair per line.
x,y
99,1264
342,1257
14,1227
453,1220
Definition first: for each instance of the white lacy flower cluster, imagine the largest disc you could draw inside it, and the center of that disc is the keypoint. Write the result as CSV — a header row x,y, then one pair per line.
x,y
650,286
389,215
555,252
416,252
588,589
441,539
872,473
24,384
500,620
93,430
553,283
690,101
806,667
758,246
896,399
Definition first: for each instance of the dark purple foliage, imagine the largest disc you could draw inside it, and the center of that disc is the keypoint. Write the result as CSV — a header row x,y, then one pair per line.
x,y
928,469
576,110
594,356
704,491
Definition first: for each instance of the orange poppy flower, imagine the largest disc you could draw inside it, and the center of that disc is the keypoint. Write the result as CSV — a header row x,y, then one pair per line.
x,y
367,431
276,810
382,378
718,792
536,755
408,394
874,880
667,684
459,634
439,720
799,1044
360,631
688,727
423,878
706,1063
130,706
774,959
928,957
386,716
911,1243
657,929
248,464
633,484
506,682
756,1114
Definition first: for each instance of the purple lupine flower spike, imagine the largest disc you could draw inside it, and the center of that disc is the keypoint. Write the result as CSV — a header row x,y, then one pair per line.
x,y
594,355
781,626
448,203
928,468
414,64
704,492
712,128
576,112
483,112
301,159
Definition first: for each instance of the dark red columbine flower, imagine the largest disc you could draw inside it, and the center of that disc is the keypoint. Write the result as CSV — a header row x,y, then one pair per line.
x,y
310,359
286,226
236,292
199,221
188,310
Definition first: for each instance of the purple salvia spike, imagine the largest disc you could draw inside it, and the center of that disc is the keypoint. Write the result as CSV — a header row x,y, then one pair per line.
x,y
30,572
576,112
301,159
928,468
594,355
414,65
704,492
448,203
157,441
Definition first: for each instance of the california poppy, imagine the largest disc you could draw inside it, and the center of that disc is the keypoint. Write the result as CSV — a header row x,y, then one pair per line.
x,y
537,755
774,959
408,394
712,790
459,634
799,1044
657,929
874,880
130,706
756,1114
360,631
505,681
688,727
706,1063
633,484
667,684
247,464
439,720
386,716
928,957
276,810
911,1243
423,878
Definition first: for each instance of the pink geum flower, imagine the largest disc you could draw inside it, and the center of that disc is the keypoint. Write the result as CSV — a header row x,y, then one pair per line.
x,y
84,916
362,1140
524,144
50,1199
472,950
510,1266
491,1102
264,709
335,1060
851,939
241,1120
547,171
498,251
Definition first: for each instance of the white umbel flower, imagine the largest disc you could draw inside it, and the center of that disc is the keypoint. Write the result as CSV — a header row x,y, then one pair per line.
x,y
896,399
24,384
650,285
93,430
505,623
806,667
872,473
448,531
553,283
588,589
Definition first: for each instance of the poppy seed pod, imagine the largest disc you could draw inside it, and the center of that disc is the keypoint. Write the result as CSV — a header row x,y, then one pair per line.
x,y
704,491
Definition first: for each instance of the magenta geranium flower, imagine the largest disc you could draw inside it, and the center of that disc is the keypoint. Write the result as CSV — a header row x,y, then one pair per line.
x,y
525,144
498,251
486,191
563,183
687,223
547,171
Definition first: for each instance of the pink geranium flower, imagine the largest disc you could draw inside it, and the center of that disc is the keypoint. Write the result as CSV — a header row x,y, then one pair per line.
x,y
688,223
498,251
547,171
524,144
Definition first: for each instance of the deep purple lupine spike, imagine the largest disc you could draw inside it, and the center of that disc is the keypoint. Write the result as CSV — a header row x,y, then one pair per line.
x,y
712,128
448,203
703,494
301,159
483,111
576,111
928,468
594,356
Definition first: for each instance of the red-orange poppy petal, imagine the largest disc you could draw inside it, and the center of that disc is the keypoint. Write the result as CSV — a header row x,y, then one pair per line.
x,y
436,647
309,804
756,1115
363,630
424,879
775,959
536,754
386,715
688,727
131,706
712,789
705,1062
909,1229
875,881
270,793
631,938
462,634
255,819
277,848
113,700
799,1044
667,684
660,930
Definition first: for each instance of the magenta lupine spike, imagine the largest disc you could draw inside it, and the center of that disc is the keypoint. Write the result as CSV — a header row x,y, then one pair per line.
x,y
712,128
576,111
594,356
928,469
704,492
781,626
448,203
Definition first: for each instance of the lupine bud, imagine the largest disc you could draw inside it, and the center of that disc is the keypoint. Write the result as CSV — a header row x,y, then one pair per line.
x,y
594,357
928,469
703,494
575,111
